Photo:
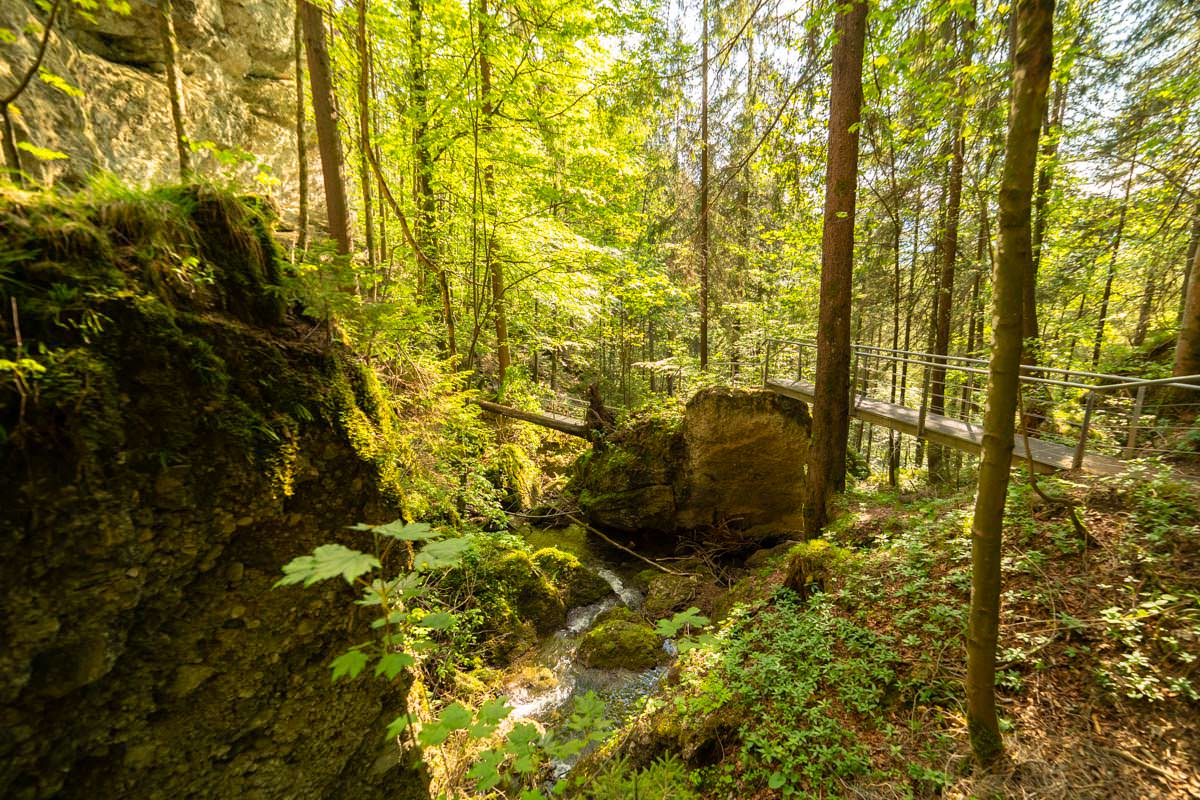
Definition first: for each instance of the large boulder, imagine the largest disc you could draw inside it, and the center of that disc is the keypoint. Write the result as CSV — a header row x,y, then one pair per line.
x,y
734,457
744,455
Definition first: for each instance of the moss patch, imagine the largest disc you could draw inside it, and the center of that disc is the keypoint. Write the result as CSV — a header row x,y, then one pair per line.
x,y
621,644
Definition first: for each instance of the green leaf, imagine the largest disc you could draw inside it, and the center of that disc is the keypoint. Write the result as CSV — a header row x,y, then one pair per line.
x,y
438,620
349,664
7,36
489,716
486,770
41,153
776,781
398,726
446,553
393,664
327,561
412,532
455,717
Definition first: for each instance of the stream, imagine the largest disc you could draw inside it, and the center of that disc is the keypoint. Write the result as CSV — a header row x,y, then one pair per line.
x,y
554,678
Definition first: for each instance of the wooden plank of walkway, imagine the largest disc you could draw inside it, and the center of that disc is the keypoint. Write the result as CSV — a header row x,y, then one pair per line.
x,y
1047,456
553,421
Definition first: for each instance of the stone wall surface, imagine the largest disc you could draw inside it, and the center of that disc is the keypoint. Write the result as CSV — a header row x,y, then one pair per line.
x,y
238,86
183,441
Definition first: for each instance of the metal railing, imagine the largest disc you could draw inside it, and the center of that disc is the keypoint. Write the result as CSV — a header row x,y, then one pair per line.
x,y
1114,415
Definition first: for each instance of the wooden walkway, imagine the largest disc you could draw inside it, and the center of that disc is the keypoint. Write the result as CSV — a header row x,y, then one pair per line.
x,y
556,422
1047,456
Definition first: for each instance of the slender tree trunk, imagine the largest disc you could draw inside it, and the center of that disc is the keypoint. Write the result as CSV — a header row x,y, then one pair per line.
x,y
301,137
494,267
1027,107
166,31
945,297
704,232
1051,132
831,406
1146,309
1112,259
364,136
1187,346
1188,259
328,140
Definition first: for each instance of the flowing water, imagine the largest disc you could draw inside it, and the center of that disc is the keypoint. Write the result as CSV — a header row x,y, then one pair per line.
x,y
559,678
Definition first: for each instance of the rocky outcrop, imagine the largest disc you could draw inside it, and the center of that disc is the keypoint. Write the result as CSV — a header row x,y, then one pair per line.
x,y
735,458
179,441
238,87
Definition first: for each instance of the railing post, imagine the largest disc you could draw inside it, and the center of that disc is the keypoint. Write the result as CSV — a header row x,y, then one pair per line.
x,y
853,375
1083,430
799,361
767,362
924,401
1139,401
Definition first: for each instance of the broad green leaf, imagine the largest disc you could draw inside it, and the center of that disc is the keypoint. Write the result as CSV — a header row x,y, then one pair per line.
x,y
349,664
327,561
438,620
398,726
455,717
446,553
393,664
411,532
486,770
432,734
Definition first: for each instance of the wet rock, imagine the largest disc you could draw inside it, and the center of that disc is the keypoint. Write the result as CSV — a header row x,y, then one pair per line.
x,y
621,644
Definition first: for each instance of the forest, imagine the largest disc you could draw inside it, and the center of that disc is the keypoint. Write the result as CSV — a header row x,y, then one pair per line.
x,y
668,399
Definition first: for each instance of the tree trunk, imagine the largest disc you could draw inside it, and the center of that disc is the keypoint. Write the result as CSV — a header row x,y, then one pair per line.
x,y
1187,346
831,403
301,137
945,297
1188,260
1146,309
364,135
491,263
1027,107
1051,131
704,233
328,141
166,31
1112,259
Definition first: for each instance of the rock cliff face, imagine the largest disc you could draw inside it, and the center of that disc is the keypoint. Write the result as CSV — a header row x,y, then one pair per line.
x,y
238,86
182,441
735,458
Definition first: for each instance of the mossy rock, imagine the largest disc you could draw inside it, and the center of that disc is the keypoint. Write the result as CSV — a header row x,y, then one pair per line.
x,y
621,644
534,598
619,614
668,593
579,585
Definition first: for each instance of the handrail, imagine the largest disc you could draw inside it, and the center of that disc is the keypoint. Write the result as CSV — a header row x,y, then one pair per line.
x,y
1124,381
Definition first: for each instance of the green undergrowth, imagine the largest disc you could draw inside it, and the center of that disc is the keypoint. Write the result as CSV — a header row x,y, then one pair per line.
x,y
141,326
860,684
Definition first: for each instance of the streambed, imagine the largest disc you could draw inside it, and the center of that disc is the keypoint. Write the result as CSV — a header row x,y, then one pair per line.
x,y
544,685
